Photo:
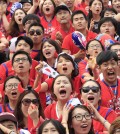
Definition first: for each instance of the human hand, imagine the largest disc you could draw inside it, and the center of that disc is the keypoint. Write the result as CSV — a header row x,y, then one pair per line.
x,y
59,36
2,47
91,24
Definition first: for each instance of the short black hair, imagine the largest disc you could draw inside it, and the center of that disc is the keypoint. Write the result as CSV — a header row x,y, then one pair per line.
x,y
114,44
105,56
26,39
30,17
36,24
78,12
108,9
87,45
24,53
108,19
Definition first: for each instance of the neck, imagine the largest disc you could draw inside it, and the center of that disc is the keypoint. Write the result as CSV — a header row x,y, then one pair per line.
x,y
49,17
96,17
65,26
26,122
24,78
12,104
83,31
51,62
111,83
61,104
21,28
37,46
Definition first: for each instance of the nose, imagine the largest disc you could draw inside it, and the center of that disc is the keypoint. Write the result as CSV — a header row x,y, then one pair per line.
x,y
84,119
109,66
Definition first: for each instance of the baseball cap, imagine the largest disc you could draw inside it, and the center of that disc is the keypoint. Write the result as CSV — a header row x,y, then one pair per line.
x,y
25,1
6,116
61,7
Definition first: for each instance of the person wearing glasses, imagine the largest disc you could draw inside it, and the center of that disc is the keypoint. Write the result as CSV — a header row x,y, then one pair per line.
x,y
11,94
36,33
28,110
91,93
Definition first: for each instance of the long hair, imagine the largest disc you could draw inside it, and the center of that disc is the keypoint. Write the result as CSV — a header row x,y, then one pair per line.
x,y
71,130
18,111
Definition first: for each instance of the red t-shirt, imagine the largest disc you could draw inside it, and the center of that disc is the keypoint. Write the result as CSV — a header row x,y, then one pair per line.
x,y
7,107
49,27
69,45
108,114
6,70
34,53
110,96
64,33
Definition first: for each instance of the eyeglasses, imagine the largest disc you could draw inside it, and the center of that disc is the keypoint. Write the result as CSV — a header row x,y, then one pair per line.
x,y
17,60
87,89
93,46
11,85
38,32
27,102
79,117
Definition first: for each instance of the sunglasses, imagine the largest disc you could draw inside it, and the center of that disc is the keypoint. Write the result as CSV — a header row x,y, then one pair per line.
x,y
87,89
27,102
38,32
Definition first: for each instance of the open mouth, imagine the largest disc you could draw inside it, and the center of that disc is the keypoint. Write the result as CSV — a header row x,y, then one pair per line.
x,y
91,98
14,93
84,126
48,53
47,9
62,92
64,68
110,73
19,19
21,67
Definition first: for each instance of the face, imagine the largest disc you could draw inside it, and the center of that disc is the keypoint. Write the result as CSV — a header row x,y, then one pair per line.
x,y
116,48
63,16
21,64
105,3
10,125
94,48
48,50
22,45
18,16
96,7
57,2
49,129
79,22
26,6
91,93
64,66
109,14
83,126
62,88
11,89
26,103
108,28
48,7
109,70
69,3
36,34
117,131
116,5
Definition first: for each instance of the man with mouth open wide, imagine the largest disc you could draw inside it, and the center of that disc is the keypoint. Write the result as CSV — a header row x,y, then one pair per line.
x,y
110,85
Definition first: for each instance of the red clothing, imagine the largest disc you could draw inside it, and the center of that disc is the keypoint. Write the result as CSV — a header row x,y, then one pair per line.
x,y
109,99
49,27
69,45
108,114
85,7
7,107
51,111
6,70
64,33
1,35
34,53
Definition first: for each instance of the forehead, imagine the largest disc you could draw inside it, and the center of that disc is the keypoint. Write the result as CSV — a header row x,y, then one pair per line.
x,y
115,47
107,22
79,111
46,1
12,80
78,16
20,55
35,28
90,83
62,78
29,96
18,10
5,123
94,42
96,1
22,41
49,125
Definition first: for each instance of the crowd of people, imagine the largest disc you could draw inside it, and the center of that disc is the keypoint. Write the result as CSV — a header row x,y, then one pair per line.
x,y
59,66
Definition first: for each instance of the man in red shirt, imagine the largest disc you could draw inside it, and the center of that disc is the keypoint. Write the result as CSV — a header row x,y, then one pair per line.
x,y
63,16
79,22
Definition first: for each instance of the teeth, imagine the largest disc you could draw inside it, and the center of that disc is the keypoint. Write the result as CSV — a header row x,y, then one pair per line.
x,y
84,125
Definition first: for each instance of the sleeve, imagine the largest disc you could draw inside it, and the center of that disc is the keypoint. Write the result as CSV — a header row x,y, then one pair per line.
x,y
49,82
66,43
2,74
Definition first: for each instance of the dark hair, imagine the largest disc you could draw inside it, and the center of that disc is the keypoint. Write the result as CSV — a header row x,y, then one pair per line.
x,y
52,87
60,128
108,9
114,44
114,126
75,72
21,52
76,13
14,30
97,41
30,17
36,24
90,15
43,4
71,130
53,43
108,19
26,39
18,112
6,100
105,56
